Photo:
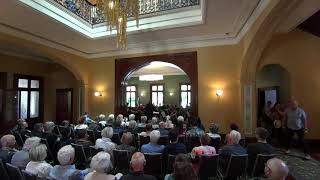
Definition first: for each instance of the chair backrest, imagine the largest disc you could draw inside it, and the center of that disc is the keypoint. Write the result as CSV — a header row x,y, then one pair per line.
x,y
163,140
215,142
94,150
28,176
121,160
80,154
116,139
193,141
19,139
208,166
3,171
144,140
49,150
14,172
153,164
56,130
91,136
97,134
258,168
171,159
237,166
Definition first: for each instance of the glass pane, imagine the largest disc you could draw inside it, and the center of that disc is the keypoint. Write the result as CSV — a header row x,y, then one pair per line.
x,y
183,87
23,83
34,83
128,97
184,99
160,98
154,88
128,88
34,104
24,104
189,98
189,87
133,88
133,96
160,88
154,98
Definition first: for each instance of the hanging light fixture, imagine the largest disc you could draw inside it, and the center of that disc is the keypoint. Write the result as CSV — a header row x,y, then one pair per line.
x,y
116,13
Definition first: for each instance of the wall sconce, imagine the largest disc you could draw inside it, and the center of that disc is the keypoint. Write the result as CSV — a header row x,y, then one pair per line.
x,y
171,93
142,94
97,94
219,92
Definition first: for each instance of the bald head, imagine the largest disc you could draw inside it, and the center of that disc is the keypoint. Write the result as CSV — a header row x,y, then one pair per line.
x,y
137,162
276,169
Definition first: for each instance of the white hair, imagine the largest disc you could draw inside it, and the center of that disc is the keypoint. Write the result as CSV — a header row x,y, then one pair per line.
x,y
101,162
168,117
132,124
107,132
31,142
154,136
144,119
279,169
66,155
8,140
101,116
111,117
120,116
132,117
49,126
154,120
38,153
180,118
137,158
235,136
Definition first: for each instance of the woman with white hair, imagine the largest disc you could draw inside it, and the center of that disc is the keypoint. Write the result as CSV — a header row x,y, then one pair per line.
x,y
154,122
38,165
153,147
21,158
101,164
105,142
132,117
8,143
66,168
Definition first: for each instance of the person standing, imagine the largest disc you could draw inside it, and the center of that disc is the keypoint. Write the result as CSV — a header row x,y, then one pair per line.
x,y
296,124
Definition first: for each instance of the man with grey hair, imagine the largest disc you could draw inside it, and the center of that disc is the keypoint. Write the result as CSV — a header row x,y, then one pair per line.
x,y
105,142
66,168
8,143
21,158
132,117
49,135
132,127
153,147
276,169
137,164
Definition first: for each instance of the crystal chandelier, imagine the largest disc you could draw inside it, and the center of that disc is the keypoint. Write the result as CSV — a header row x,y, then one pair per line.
x,y
116,13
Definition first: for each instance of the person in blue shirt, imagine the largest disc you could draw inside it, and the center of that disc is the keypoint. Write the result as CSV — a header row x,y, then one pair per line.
x,y
153,147
194,131
117,129
162,129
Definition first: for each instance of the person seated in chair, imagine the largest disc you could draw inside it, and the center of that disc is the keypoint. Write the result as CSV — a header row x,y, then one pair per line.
x,y
21,128
38,130
126,141
153,147
194,131
261,147
162,129
137,164
49,135
65,137
38,165
174,147
105,142
81,123
117,129
276,169
66,168
82,136
204,149
182,169
148,129
8,143
132,127
21,158
214,129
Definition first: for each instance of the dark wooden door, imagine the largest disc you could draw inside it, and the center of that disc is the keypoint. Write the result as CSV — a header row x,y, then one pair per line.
x,y
64,108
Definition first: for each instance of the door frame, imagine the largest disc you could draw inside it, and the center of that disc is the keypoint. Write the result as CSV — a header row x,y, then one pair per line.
x,y
263,89
66,90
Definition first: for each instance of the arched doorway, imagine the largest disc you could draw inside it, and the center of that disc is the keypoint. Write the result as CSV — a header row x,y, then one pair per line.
x,y
273,86
187,62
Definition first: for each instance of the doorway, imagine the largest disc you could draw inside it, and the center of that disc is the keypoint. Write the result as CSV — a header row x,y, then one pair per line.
x,y
64,108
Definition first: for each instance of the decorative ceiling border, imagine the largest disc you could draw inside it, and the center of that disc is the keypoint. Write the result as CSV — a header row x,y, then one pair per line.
x,y
157,46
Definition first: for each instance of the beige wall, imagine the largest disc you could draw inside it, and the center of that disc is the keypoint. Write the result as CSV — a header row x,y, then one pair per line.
x,y
299,53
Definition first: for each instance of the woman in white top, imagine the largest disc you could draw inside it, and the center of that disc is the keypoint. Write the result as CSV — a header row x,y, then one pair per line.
x,y
37,165
81,123
100,164
105,142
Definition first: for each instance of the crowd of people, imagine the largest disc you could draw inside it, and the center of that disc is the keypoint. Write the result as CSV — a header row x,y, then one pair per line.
x,y
33,155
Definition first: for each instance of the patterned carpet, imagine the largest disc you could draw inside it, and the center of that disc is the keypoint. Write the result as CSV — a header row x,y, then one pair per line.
x,y
301,169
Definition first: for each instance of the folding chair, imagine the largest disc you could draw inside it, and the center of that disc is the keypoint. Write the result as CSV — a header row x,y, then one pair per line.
x,y
14,172
237,166
208,167
192,141
258,168
28,176
116,139
171,159
121,160
154,164
3,171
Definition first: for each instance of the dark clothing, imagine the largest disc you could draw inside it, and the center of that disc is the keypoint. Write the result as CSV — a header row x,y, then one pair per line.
x,y
255,149
51,139
128,148
6,155
118,130
66,141
300,134
84,143
174,149
228,150
163,132
37,134
137,176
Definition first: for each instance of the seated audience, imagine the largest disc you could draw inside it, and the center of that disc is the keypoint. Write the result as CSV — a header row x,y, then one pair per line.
x,y
94,126
153,147
154,122
182,169
204,149
105,142
180,119
117,129
174,147
132,117
162,129
132,127
143,121
110,119
81,123
38,165
82,136
49,135
276,169
38,130
194,130
21,127
21,158
261,147
234,148
101,164
8,143
137,164
65,123
214,129
65,138
66,168
148,130
126,141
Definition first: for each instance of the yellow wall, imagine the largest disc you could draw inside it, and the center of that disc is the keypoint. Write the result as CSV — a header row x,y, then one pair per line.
x,y
299,53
